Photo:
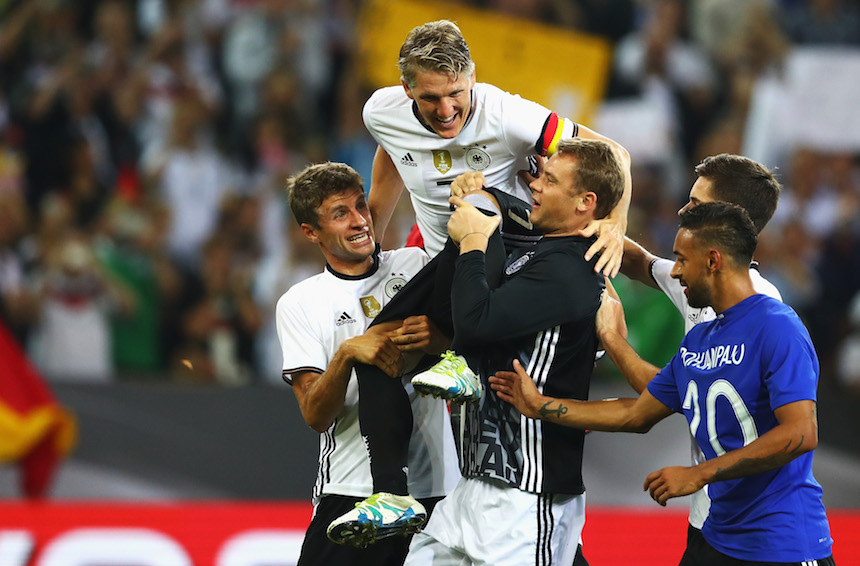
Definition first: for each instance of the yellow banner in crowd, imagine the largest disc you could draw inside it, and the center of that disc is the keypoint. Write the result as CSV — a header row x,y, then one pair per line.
x,y
563,70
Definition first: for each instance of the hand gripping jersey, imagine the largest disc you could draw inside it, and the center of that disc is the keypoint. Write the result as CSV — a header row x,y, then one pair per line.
x,y
313,318
660,273
728,377
500,134
552,334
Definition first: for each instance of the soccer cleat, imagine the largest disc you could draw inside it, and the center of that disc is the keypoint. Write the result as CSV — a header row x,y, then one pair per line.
x,y
379,516
449,379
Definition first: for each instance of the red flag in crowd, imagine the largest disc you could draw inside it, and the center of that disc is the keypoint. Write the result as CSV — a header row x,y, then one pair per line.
x,y
36,433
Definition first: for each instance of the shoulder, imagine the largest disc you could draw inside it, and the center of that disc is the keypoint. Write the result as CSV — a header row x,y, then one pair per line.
x,y
298,295
495,98
404,256
763,286
566,256
385,99
775,321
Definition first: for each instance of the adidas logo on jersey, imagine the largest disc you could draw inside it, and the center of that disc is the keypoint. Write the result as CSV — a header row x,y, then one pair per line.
x,y
408,161
344,319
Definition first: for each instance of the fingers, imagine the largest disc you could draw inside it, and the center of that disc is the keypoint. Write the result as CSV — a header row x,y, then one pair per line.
x,y
657,486
502,384
413,334
609,262
518,367
467,182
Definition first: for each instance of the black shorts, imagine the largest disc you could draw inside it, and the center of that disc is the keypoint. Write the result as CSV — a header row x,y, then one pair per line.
x,y
318,550
700,553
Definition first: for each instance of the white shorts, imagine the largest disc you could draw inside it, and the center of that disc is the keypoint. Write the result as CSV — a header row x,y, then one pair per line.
x,y
483,522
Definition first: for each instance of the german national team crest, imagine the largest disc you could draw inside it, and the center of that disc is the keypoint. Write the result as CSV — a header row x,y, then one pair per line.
x,y
442,160
477,159
393,286
518,263
370,306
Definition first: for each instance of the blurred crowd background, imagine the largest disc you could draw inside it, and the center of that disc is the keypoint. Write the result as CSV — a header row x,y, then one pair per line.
x,y
144,147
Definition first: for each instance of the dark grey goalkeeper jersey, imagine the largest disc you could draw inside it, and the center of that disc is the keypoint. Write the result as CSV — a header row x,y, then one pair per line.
x,y
543,314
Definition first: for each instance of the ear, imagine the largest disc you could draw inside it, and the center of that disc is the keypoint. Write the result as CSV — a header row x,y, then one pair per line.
x,y
310,232
586,201
473,78
715,260
407,89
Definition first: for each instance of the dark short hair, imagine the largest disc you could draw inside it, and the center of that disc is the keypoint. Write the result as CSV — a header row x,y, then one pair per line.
x,y
724,226
740,180
598,171
308,189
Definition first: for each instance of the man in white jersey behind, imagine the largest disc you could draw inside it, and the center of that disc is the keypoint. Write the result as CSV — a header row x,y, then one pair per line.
x,y
729,178
322,325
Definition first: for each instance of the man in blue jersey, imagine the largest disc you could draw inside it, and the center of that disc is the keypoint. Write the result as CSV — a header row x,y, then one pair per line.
x,y
728,178
746,382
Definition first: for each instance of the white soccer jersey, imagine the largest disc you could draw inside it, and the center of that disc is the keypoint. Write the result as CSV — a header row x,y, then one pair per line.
x,y
660,272
501,133
313,318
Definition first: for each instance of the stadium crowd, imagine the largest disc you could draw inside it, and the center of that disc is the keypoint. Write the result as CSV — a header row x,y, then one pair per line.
x,y
144,147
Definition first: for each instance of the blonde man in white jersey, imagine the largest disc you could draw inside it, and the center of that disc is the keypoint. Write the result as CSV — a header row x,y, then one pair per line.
x,y
322,325
730,178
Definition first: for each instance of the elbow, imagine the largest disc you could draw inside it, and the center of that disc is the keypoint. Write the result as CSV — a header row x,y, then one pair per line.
x,y
640,427
319,422
640,424
318,425
808,440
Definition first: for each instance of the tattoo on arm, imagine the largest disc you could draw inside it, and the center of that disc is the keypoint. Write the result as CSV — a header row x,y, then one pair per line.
x,y
557,412
749,466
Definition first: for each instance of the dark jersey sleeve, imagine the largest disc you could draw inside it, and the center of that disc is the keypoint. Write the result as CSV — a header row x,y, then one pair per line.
x,y
546,292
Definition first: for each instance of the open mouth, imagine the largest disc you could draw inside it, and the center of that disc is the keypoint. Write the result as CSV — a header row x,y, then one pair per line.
x,y
359,238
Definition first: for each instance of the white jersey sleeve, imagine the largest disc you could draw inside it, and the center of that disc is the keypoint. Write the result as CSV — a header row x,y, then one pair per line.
x,y
302,342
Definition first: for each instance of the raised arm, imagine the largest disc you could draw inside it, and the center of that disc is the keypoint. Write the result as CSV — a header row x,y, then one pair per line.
x,y
321,396
386,186
637,263
610,230
617,415
611,331
796,434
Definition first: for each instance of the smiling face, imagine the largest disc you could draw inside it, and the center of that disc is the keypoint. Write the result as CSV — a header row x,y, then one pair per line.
x,y
555,196
345,232
691,269
444,100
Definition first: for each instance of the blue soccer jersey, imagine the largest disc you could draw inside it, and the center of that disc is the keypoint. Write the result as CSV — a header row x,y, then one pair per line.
x,y
727,378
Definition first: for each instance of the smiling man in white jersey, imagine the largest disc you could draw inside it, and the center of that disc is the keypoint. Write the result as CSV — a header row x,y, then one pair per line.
x,y
322,325
440,123
729,178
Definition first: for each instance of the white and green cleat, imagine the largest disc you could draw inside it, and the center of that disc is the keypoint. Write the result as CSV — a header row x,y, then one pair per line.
x,y
379,516
451,379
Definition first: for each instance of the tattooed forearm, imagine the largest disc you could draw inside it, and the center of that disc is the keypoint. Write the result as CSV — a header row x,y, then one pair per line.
x,y
546,411
750,466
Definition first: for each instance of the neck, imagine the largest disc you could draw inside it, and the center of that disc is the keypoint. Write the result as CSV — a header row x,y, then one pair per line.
x,y
732,287
349,266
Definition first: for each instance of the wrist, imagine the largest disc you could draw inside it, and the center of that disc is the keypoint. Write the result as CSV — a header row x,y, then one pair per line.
x,y
474,241
474,234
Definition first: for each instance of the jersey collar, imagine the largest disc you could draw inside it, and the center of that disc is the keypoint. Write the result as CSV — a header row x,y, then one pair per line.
x,y
373,269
